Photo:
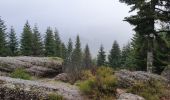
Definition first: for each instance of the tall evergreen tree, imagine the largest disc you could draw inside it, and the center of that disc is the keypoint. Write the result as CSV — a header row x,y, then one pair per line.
x,y
75,67
101,57
26,40
124,54
3,42
87,60
69,53
77,55
114,56
49,43
63,51
58,44
37,43
13,42
148,12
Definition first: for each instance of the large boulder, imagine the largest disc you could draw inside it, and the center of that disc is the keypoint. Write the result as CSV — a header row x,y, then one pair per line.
x,y
129,96
127,78
166,73
38,66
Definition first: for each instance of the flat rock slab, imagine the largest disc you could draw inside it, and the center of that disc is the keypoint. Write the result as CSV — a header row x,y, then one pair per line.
x,y
38,66
69,92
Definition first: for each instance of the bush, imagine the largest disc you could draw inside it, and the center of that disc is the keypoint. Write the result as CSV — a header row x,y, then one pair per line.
x,y
99,86
151,90
20,73
53,96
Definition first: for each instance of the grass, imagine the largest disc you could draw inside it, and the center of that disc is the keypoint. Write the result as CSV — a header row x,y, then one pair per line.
x,y
150,90
53,96
20,73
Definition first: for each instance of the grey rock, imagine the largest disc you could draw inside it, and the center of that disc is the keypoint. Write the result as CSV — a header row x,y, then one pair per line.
x,y
127,78
166,73
62,77
39,66
129,96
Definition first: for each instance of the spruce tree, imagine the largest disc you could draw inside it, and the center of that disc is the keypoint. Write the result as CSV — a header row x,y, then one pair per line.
x,y
63,52
49,43
75,67
58,44
87,60
26,40
37,42
114,56
77,54
69,53
101,57
13,42
3,42
148,12
124,54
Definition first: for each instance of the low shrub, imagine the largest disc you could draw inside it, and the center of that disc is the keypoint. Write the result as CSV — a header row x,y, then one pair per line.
x,y
101,85
150,90
53,96
20,73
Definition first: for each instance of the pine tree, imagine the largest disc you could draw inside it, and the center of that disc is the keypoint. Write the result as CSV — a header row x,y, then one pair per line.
x,y
37,42
26,40
13,42
124,54
49,43
3,42
87,60
58,44
63,52
101,57
114,56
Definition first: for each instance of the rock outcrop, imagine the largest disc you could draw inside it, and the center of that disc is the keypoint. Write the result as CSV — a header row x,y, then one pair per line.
x,y
38,66
19,89
129,96
62,77
128,78
166,73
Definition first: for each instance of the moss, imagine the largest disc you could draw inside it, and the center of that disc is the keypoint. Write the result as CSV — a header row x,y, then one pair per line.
x,y
53,96
20,73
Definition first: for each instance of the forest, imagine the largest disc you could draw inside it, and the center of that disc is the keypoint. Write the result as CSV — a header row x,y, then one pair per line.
x,y
141,67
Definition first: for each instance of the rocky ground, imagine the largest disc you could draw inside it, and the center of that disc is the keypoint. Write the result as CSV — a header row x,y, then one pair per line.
x,y
68,91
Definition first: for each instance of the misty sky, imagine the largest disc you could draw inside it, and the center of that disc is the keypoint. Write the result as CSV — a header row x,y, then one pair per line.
x,y
96,21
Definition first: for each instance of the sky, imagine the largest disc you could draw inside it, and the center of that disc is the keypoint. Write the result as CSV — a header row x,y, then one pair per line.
x,y
95,21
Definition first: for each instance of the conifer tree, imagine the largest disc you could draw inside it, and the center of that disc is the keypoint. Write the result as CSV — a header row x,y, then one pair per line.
x,y
87,60
49,43
148,12
13,42
69,53
77,55
37,42
114,56
63,52
124,54
26,40
3,42
58,44
101,57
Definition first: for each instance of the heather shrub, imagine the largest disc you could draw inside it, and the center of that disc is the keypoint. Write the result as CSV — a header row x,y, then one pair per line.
x,y
99,86
150,90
